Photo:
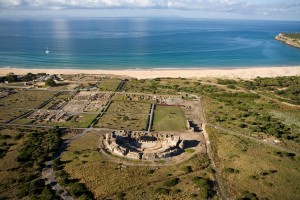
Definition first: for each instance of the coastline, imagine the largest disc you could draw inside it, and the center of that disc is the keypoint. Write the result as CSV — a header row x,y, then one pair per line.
x,y
242,73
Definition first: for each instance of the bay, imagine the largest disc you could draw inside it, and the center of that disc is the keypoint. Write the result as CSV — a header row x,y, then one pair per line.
x,y
143,43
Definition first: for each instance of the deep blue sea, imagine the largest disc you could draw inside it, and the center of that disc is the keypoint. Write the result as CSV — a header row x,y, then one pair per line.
x,y
118,43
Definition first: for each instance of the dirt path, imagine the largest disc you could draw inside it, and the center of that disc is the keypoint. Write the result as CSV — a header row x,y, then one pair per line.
x,y
220,185
49,174
221,188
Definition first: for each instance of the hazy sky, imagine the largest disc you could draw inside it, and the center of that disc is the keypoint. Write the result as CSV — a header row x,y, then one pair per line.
x,y
236,9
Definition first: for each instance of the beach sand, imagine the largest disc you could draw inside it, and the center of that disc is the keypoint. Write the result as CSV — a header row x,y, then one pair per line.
x,y
243,73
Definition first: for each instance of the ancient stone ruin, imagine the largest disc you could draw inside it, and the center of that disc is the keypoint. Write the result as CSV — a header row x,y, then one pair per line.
x,y
143,145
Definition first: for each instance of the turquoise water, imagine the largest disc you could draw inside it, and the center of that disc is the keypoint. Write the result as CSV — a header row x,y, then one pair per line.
x,y
144,43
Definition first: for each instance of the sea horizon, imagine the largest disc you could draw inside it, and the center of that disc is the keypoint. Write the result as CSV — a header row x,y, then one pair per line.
x,y
145,43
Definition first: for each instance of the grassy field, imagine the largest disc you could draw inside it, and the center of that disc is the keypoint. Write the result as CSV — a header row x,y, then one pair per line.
x,y
139,86
108,84
80,120
129,107
7,114
109,179
27,99
254,116
169,118
9,174
245,165
125,121
159,85
25,121
127,115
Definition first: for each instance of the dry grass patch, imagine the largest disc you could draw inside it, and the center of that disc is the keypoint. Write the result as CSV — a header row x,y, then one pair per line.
x,y
7,114
108,84
135,85
107,179
249,166
27,99
9,165
124,121
129,107
77,121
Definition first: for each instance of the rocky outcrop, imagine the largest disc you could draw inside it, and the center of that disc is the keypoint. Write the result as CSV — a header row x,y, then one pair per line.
x,y
288,40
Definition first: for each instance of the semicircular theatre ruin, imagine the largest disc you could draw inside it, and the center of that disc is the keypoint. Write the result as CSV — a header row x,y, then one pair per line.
x,y
142,145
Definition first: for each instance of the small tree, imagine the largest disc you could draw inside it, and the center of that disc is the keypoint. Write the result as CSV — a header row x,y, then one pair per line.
x,y
46,195
11,77
77,189
50,82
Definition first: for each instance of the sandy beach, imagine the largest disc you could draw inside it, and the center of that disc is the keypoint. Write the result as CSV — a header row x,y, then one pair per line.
x,y
243,73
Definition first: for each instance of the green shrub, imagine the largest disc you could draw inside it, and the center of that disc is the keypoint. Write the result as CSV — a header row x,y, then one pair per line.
x,y
50,82
59,192
77,189
18,136
177,191
231,170
248,196
187,169
163,191
231,86
64,181
194,195
171,182
85,197
242,125
121,195
189,150
47,195
253,177
285,154
205,188
227,81
150,171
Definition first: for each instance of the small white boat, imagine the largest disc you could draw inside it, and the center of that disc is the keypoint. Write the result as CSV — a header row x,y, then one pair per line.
x,y
47,51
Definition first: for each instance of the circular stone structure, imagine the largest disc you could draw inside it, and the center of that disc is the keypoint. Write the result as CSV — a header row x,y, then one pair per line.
x,y
142,145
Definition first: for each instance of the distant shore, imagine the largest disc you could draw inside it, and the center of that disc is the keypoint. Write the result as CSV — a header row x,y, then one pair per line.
x,y
243,73
292,39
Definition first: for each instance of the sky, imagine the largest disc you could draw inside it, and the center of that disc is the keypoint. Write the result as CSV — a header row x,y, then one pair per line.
x,y
216,9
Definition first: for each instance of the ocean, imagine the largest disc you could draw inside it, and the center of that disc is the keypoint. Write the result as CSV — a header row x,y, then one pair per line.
x,y
143,43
